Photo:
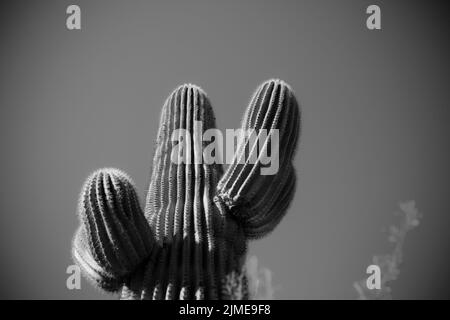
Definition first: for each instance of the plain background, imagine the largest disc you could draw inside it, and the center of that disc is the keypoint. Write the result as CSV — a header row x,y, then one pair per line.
x,y
375,127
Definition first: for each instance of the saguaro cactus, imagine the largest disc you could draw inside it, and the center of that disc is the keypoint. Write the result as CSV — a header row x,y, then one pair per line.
x,y
194,229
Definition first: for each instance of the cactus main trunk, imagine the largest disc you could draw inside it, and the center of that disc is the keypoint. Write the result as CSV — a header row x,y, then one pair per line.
x,y
195,239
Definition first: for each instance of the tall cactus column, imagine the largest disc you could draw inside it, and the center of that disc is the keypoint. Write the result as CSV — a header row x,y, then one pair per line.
x,y
194,229
188,226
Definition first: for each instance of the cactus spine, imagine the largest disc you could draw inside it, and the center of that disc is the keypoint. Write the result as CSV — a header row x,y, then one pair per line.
x,y
194,229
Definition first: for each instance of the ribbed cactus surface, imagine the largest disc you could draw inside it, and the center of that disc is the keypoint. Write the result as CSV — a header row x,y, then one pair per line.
x,y
259,201
197,220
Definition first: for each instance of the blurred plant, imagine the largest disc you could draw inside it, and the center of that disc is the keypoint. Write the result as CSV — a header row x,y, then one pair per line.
x,y
235,285
259,281
253,281
389,264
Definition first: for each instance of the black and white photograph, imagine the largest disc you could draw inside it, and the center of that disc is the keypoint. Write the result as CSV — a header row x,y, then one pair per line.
x,y
252,150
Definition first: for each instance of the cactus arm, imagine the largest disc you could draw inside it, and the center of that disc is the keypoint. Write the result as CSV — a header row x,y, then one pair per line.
x,y
254,199
114,237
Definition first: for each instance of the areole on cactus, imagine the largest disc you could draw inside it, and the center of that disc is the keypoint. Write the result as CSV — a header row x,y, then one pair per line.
x,y
197,220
